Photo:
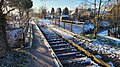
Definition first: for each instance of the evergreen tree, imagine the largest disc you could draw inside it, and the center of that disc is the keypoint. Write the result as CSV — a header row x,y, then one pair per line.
x,y
65,11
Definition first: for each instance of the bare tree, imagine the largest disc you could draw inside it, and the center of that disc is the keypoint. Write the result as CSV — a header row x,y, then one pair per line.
x,y
43,11
115,26
58,11
75,15
97,16
65,11
52,11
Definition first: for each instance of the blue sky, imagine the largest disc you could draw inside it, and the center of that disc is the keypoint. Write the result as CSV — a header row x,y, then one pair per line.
x,y
71,4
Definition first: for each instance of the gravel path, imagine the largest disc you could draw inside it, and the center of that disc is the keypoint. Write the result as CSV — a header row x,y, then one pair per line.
x,y
39,51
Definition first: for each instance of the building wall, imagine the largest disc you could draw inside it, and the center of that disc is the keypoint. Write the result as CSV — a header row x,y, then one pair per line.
x,y
115,13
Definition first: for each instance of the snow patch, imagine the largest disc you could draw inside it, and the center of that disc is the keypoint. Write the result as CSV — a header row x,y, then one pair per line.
x,y
104,33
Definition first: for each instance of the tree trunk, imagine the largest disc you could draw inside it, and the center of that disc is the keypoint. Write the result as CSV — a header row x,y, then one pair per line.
x,y
94,35
98,20
21,17
27,18
3,38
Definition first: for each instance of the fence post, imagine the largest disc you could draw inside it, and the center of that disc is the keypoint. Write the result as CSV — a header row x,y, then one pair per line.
x,y
83,32
26,27
24,37
52,21
59,23
30,33
55,21
64,25
71,25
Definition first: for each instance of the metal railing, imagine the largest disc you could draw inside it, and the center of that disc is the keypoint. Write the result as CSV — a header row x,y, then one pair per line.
x,y
27,36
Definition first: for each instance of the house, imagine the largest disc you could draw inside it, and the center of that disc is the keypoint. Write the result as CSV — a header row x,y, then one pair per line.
x,y
65,17
115,12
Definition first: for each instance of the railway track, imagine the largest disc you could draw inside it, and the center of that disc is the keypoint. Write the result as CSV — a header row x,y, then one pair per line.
x,y
69,53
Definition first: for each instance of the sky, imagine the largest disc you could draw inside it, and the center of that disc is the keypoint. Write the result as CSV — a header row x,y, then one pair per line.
x,y
71,4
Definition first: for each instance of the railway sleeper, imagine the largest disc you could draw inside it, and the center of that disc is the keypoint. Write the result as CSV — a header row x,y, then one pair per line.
x,y
61,49
54,40
67,54
51,38
77,60
65,51
64,47
79,55
58,42
59,45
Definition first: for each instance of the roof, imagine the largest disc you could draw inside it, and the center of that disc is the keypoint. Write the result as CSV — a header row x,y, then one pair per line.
x,y
65,16
86,13
72,12
107,8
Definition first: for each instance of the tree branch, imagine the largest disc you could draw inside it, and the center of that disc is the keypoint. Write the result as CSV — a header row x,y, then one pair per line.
x,y
1,3
9,11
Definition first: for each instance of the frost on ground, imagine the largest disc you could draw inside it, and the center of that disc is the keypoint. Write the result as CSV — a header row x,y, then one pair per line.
x,y
104,23
45,21
101,45
14,37
78,28
18,58
14,33
104,33
13,24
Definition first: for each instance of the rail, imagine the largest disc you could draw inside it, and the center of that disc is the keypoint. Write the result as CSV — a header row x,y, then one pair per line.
x,y
100,62
57,61
74,22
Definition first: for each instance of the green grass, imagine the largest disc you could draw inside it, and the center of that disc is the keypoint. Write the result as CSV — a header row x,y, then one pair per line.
x,y
90,36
